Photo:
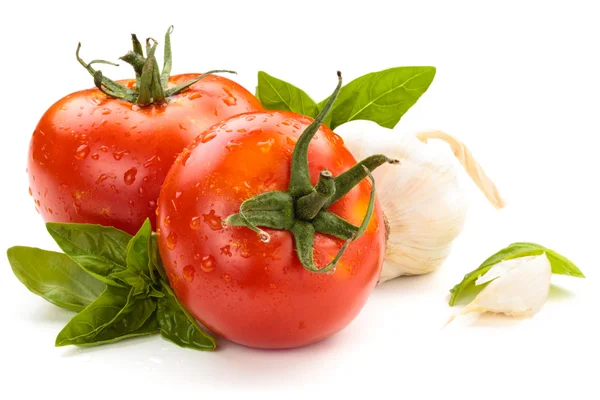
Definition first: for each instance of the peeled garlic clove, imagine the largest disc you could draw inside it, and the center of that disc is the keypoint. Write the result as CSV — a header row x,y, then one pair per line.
x,y
517,287
424,208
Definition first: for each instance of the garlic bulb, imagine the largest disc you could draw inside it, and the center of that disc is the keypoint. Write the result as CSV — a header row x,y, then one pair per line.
x,y
424,207
518,287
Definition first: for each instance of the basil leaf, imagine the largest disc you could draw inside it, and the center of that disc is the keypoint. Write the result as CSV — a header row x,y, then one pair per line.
x,y
55,277
178,326
155,260
275,94
138,259
382,97
99,250
559,264
139,274
115,315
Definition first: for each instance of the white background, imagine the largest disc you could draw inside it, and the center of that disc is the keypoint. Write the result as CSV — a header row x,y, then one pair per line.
x,y
519,82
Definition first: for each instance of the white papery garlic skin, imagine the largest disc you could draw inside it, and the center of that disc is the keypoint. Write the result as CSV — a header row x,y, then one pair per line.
x,y
424,207
518,287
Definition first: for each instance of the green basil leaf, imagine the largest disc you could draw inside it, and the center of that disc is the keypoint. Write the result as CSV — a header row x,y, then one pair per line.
x,y
100,250
138,259
559,264
155,260
55,277
275,94
382,97
178,326
115,315
139,273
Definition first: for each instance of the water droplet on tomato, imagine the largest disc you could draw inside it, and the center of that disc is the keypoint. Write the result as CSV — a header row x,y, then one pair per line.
x,y
265,146
95,156
79,114
185,157
189,273
226,276
286,123
272,286
106,212
152,205
337,139
149,162
103,149
290,141
226,250
82,152
172,240
131,204
195,95
114,189
129,176
106,111
167,221
331,271
208,137
119,154
232,144
101,178
30,192
195,223
212,220
207,264
250,118
230,100
135,107
141,190
241,130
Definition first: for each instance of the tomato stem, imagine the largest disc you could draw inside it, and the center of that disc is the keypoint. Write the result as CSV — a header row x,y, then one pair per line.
x,y
300,176
308,206
302,210
151,82
347,180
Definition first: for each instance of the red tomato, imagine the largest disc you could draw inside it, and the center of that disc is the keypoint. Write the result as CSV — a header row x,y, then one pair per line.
x,y
254,293
102,160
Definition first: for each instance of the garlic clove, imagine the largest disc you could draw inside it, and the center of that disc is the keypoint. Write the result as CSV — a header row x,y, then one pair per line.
x,y
517,287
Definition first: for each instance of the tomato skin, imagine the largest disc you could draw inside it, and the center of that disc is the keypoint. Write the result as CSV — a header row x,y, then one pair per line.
x,y
101,160
254,293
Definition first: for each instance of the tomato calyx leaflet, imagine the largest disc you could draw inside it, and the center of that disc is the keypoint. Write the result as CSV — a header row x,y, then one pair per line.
x,y
302,209
151,82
